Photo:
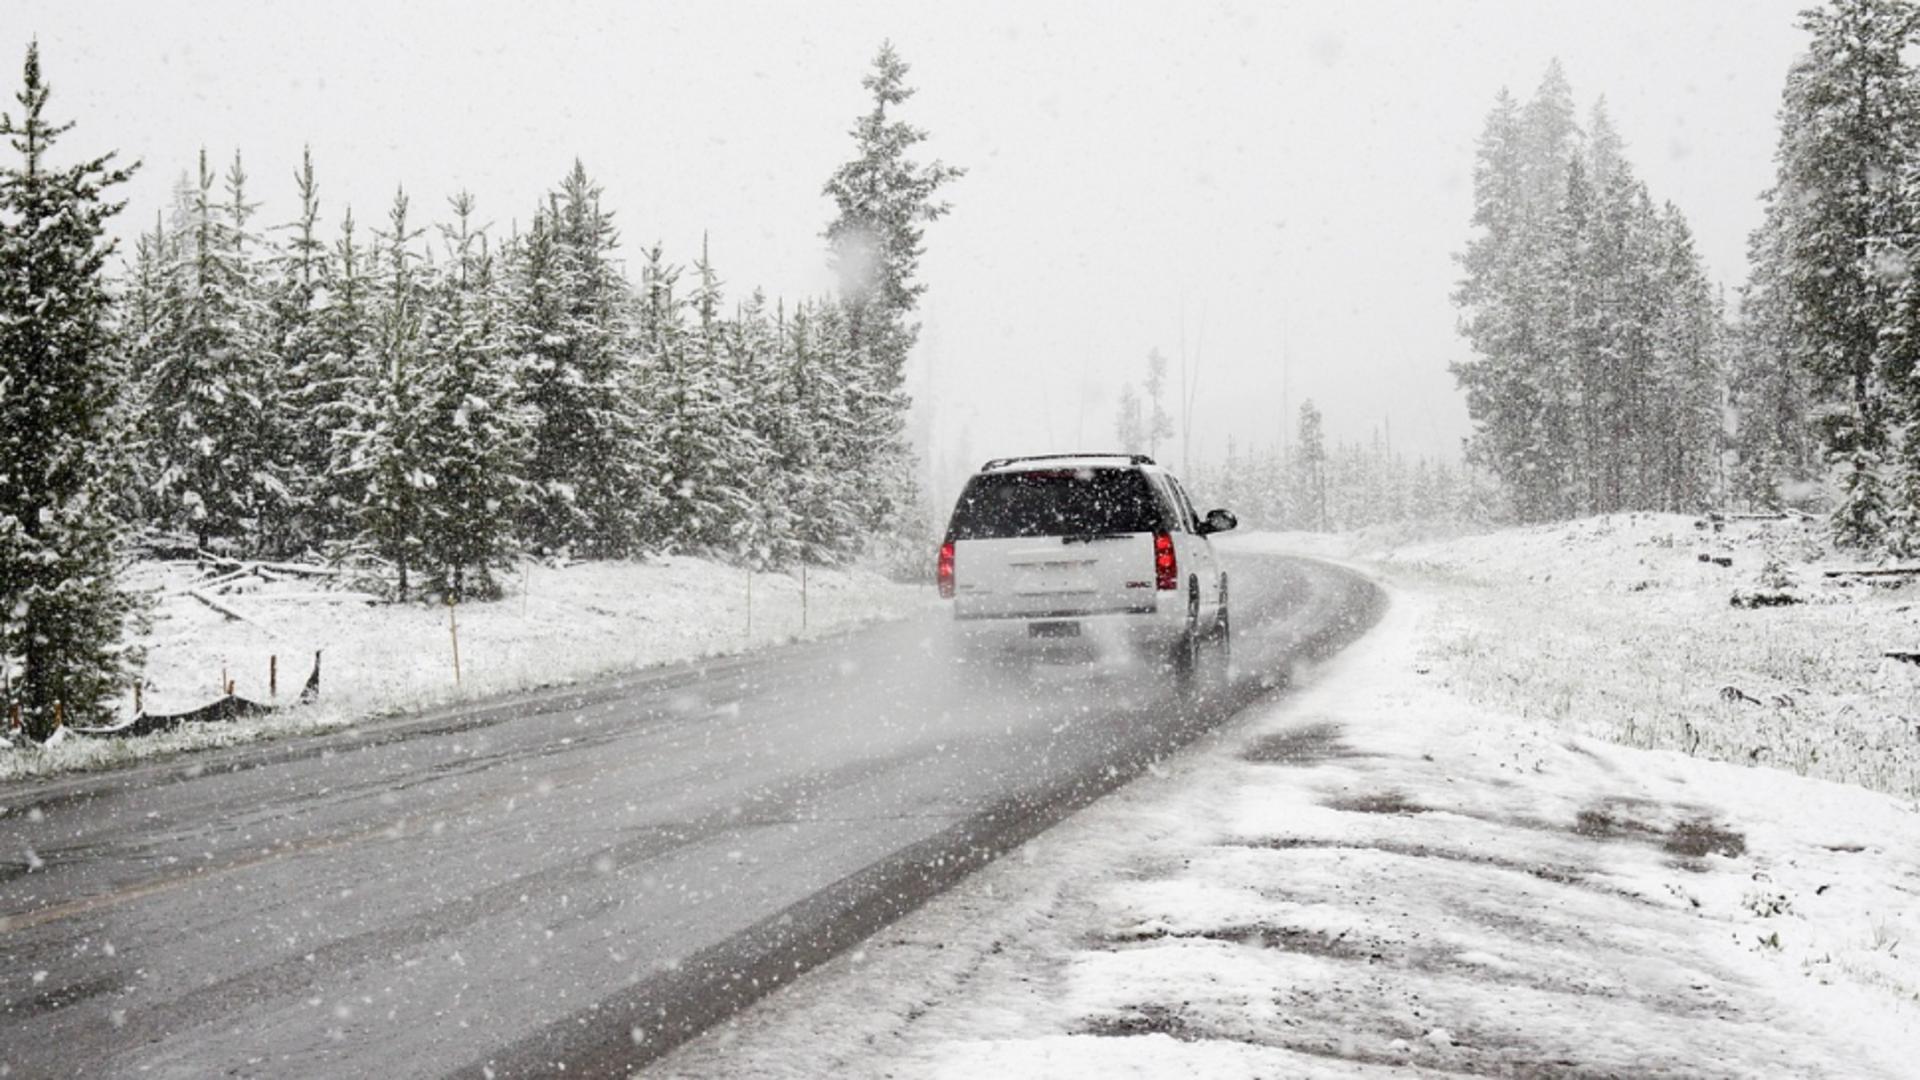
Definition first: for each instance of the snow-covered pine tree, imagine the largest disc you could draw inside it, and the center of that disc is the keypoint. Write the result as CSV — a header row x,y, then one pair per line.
x,y
826,502
310,388
884,199
387,408
332,392
142,328
1158,425
703,427
763,535
62,609
1310,465
1564,372
1768,389
1229,486
1605,335
1687,387
1129,423
472,435
686,406
588,468
207,393
1586,382
264,451
1834,218
1504,298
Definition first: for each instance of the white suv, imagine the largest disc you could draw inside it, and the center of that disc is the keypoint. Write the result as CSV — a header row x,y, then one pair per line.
x,y
1086,552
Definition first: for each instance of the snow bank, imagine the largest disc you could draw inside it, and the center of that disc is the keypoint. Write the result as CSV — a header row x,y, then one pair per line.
x,y
556,625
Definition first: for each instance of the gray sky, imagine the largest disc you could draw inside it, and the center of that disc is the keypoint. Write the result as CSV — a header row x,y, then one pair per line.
x,y
1230,175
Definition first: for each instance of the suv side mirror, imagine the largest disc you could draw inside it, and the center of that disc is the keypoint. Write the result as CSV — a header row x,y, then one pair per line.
x,y
1218,521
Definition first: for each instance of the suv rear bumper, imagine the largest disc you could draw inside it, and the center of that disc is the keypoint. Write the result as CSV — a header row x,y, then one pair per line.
x,y
1071,635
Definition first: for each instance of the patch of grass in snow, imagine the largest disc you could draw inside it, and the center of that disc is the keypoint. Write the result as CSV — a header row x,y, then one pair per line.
x,y
1614,627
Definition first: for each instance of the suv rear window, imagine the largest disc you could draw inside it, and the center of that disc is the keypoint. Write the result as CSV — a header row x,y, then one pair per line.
x,y
1055,502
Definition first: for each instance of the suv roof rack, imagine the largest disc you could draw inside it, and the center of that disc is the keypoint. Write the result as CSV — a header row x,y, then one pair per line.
x,y
999,462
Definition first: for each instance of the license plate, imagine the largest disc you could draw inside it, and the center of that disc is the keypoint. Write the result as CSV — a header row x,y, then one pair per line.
x,y
1053,629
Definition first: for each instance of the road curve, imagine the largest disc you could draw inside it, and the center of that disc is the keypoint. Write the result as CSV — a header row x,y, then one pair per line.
x,y
584,877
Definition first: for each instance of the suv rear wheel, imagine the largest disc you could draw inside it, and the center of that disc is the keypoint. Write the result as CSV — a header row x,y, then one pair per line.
x,y
1220,664
1188,650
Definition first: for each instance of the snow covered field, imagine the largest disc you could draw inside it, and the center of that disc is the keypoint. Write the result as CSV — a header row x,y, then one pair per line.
x,y
556,625
1615,627
1418,864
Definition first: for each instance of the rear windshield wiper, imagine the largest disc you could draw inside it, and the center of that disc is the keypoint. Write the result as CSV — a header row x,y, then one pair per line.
x,y
1088,538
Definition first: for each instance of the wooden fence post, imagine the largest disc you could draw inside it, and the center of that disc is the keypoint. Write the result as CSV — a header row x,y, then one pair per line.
x,y
453,627
273,676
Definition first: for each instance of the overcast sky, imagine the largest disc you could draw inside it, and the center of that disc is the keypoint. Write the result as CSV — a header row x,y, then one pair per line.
x,y
1241,181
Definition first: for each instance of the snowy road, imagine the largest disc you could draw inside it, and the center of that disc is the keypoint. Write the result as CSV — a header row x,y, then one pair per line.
x,y
612,871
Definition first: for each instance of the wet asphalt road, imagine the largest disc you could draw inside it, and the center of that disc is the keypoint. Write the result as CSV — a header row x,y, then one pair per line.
x,y
583,877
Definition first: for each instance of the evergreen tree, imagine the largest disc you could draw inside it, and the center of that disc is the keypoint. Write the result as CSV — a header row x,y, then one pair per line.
x,y
389,410
1768,388
824,494
334,391
1688,378
142,329
1834,217
471,435
1595,379
591,487
1129,425
884,200
1505,304
1158,424
62,610
302,366
687,404
762,537
1310,464
209,390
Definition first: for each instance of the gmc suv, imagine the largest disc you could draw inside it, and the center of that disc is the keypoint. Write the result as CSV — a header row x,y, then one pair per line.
x,y
1086,553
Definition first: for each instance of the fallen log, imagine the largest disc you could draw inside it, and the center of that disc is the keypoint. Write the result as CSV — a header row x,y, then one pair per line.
x,y
316,597
1875,572
247,567
232,613
211,583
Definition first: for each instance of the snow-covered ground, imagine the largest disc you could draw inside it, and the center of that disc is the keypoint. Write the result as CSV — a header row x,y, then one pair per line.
x,y
1415,865
1615,627
556,625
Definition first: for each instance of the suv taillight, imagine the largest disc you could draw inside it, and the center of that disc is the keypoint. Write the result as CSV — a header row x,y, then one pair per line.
x,y
944,575
1166,571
